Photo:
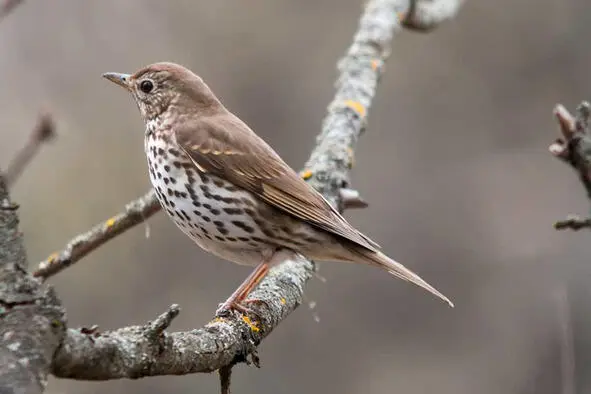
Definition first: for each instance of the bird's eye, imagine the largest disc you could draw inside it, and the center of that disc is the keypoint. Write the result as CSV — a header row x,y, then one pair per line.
x,y
146,86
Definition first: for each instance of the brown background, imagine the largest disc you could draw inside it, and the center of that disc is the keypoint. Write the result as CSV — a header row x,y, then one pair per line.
x,y
454,165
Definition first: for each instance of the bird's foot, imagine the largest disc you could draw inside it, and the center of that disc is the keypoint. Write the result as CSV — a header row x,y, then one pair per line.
x,y
226,308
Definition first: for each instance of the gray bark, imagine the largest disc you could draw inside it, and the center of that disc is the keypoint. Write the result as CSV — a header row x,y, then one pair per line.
x,y
33,320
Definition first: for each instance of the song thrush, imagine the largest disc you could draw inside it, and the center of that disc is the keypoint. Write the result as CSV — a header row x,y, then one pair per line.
x,y
229,191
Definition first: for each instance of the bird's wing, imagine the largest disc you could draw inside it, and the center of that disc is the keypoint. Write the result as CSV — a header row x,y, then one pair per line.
x,y
225,146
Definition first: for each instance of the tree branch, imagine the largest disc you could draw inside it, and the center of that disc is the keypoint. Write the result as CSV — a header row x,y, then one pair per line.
x,y
135,213
425,15
133,352
44,131
138,351
7,6
575,150
33,320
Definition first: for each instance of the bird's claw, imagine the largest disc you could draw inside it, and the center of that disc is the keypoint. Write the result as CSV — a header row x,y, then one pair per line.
x,y
226,308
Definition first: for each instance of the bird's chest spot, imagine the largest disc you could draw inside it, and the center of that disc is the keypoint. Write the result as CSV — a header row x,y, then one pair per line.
x,y
205,207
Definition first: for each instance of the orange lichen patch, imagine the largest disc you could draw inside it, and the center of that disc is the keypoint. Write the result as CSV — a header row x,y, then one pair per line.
x,y
217,320
251,324
52,257
351,154
283,301
110,222
307,174
356,106
374,64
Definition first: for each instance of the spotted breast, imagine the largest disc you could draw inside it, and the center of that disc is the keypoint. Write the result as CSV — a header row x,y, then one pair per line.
x,y
218,216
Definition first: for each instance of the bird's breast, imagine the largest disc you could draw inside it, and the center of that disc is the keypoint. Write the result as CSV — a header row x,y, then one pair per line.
x,y
212,211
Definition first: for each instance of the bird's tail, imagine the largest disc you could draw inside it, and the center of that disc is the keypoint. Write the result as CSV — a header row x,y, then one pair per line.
x,y
380,260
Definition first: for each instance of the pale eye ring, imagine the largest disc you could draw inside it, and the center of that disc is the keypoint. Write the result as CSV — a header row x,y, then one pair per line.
x,y
146,86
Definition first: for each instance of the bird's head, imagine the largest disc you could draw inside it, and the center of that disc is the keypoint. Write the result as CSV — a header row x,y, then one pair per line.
x,y
161,88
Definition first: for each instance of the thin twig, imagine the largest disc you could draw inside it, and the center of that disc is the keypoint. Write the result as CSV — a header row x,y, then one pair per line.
x,y
135,212
574,223
7,7
43,131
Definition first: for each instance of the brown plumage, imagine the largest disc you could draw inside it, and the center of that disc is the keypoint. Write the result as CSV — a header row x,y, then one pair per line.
x,y
206,164
229,149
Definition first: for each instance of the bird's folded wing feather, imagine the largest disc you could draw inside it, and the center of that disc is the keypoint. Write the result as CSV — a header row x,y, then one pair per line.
x,y
225,146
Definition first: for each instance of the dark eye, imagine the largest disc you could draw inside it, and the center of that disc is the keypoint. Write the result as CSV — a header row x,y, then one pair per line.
x,y
146,86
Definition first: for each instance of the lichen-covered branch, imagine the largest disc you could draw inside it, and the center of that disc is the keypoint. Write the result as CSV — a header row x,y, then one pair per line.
x,y
327,170
138,351
135,212
574,148
32,321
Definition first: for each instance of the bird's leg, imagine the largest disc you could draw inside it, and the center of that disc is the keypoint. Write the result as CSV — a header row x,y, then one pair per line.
x,y
239,295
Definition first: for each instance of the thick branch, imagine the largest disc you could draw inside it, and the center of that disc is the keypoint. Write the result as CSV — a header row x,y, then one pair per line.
x,y
575,150
32,319
328,167
134,352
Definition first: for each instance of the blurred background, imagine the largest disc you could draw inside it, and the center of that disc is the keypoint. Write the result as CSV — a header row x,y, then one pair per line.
x,y
454,165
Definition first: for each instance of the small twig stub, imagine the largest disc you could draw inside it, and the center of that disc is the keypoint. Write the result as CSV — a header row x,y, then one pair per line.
x,y
574,148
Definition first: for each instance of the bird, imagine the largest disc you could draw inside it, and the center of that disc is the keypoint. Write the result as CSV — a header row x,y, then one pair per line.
x,y
230,192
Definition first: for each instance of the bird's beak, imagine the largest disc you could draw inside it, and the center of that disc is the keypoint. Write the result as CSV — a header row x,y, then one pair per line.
x,y
122,80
